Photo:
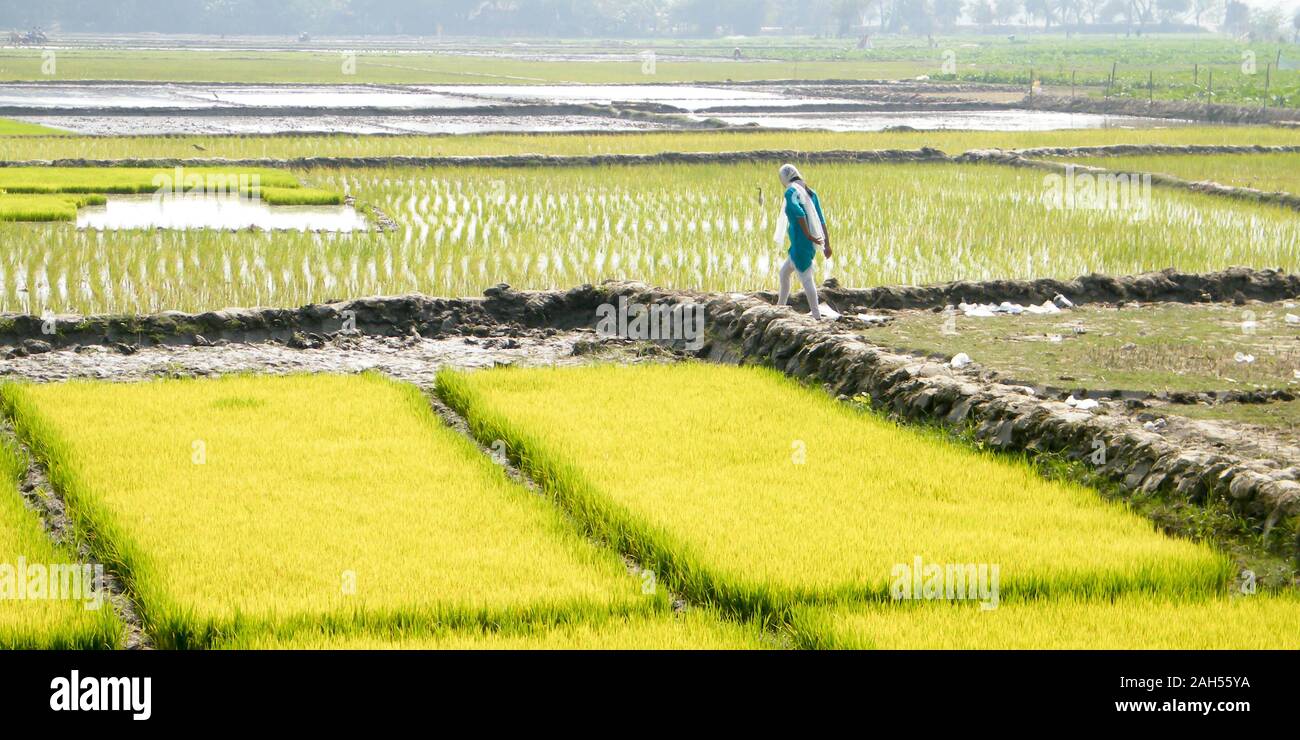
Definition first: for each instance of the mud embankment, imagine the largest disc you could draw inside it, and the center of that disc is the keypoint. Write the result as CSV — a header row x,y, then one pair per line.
x,y
514,160
1233,284
1190,466
1206,187
506,312
1179,110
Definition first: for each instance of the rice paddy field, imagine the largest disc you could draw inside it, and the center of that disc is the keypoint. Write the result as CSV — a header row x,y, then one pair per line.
x,y
1267,172
665,503
807,500
693,630
24,148
1160,347
707,226
253,505
39,607
1241,623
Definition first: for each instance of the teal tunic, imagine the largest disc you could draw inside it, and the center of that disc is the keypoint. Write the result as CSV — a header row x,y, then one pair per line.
x,y
802,250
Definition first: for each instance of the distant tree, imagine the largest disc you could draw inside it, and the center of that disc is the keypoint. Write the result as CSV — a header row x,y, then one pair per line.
x,y
1171,11
1236,17
1005,10
1266,24
1112,9
947,12
1202,8
1070,11
1092,8
1295,24
982,12
1041,9
848,14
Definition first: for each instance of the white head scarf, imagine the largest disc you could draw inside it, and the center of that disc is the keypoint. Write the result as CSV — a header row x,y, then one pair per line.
x,y
789,173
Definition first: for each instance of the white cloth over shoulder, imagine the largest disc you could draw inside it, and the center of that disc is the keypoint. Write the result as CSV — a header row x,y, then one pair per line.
x,y
810,213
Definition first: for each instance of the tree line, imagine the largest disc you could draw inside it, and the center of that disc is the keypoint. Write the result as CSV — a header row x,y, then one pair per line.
x,y
637,18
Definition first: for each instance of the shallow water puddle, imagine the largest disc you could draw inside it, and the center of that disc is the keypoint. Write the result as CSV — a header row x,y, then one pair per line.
x,y
147,212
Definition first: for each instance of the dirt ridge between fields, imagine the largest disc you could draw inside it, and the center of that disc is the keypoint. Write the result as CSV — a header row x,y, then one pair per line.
x,y
1194,464
505,311
1206,187
48,503
1122,150
510,160
1171,109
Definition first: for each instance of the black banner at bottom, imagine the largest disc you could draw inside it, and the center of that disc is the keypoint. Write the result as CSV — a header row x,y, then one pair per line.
x,y
211,689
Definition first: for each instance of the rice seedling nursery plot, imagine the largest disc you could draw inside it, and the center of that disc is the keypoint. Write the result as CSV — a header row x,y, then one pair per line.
x,y
750,490
48,600
254,505
1267,172
1254,622
696,629
706,227
287,147
1159,347
55,193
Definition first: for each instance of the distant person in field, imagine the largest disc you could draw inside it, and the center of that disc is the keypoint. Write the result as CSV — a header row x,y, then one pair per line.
x,y
806,228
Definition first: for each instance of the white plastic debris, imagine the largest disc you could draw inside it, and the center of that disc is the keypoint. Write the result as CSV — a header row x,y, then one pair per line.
x,y
1053,337
1062,302
1154,425
870,318
986,310
1243,357
960,360
828,312
1082,404
1292,319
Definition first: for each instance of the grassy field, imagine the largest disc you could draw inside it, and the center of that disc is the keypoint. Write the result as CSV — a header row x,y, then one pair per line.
x,y
22,128
745,488
694,630
258,504
1269,172
1258,622
55,193
36,612
1176,65
699,226
418,68
47,207
1159,348
285,147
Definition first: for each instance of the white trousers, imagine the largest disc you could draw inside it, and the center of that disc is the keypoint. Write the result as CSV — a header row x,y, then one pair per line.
x,y
809,287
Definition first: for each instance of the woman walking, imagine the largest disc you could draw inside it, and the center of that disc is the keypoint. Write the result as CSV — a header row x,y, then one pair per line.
x,y
806,228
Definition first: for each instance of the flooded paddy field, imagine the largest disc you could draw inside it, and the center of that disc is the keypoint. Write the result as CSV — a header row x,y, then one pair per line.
x,y
169,108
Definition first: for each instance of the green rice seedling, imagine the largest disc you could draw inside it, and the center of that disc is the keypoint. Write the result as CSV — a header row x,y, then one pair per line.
x,y
23,128
261,504
1268,172
139,179
59,207
296,196
48,600
586,143
1257,622
550,228
696,629
745,488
